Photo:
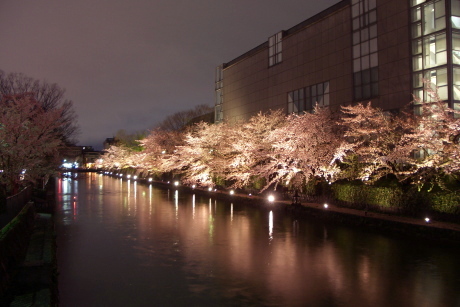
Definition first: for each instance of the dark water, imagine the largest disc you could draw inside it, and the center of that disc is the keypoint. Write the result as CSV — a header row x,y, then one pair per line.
x,y
121,243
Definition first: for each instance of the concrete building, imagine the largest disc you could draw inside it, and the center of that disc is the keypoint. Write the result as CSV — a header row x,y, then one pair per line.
x,y
354,51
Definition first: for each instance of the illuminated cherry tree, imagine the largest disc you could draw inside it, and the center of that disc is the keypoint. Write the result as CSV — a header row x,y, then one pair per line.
x,y
198,158
159,146
302,148
121,157
247,148
432,149
372,142
29,140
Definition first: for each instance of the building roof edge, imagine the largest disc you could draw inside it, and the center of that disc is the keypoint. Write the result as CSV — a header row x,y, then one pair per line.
x,y
336,7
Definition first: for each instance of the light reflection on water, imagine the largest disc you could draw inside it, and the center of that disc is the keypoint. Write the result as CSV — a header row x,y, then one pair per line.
x,y
133,245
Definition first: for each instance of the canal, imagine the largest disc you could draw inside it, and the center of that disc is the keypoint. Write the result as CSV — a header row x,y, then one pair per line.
x,y
121,243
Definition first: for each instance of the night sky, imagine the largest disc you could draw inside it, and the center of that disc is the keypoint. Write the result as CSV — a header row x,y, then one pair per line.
x,y
129,64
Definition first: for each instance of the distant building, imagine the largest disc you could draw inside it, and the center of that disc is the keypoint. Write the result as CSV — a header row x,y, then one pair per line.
x,y
354,51
82,157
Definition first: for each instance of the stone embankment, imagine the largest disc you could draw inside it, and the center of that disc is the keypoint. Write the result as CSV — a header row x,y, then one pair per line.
x,y
30,271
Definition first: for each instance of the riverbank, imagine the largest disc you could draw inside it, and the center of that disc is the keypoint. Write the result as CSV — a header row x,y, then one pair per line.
x,y
34,281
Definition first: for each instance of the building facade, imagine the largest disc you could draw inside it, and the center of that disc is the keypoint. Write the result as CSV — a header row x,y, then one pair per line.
x,y
354,51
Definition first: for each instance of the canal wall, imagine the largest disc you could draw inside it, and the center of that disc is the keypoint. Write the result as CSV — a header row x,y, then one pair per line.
x,y
14,240
28,267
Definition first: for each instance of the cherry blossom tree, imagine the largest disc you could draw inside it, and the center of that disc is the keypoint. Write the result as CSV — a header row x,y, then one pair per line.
x,y
302,148
197,158
121,157
29,140
371,139
49,96
432,149
247,148
158,147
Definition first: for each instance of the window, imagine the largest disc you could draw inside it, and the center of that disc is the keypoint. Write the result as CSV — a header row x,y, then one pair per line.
x,y
319,95
365,56
219,80
429,47
275,49
366,83
437,78
455,9
456,48
428,18
456,83
429,52
305,99
296,101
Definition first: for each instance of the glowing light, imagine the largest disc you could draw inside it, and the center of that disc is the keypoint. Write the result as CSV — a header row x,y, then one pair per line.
x,y
232,192
326,206
67,165
128,176
427,219
193,186
271,198
134,177
176,183
150,179
210,189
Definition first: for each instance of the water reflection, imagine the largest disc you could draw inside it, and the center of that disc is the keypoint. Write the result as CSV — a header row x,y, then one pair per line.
x,y
270,225
144,253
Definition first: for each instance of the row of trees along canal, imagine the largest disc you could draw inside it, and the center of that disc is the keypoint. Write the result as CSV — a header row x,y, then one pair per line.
x,y
360,155
35,120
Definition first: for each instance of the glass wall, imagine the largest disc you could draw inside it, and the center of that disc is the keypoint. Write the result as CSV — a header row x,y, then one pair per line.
x,y
436,49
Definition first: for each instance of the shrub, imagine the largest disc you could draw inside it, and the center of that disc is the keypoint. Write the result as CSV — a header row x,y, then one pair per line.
x,y
445,202
383,198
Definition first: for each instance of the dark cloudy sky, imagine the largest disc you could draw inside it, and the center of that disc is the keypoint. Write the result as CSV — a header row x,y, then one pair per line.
x,y
129,64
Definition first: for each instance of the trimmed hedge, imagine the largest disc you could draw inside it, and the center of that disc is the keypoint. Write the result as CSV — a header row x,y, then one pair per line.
x,y
364,196
445,202
395,199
